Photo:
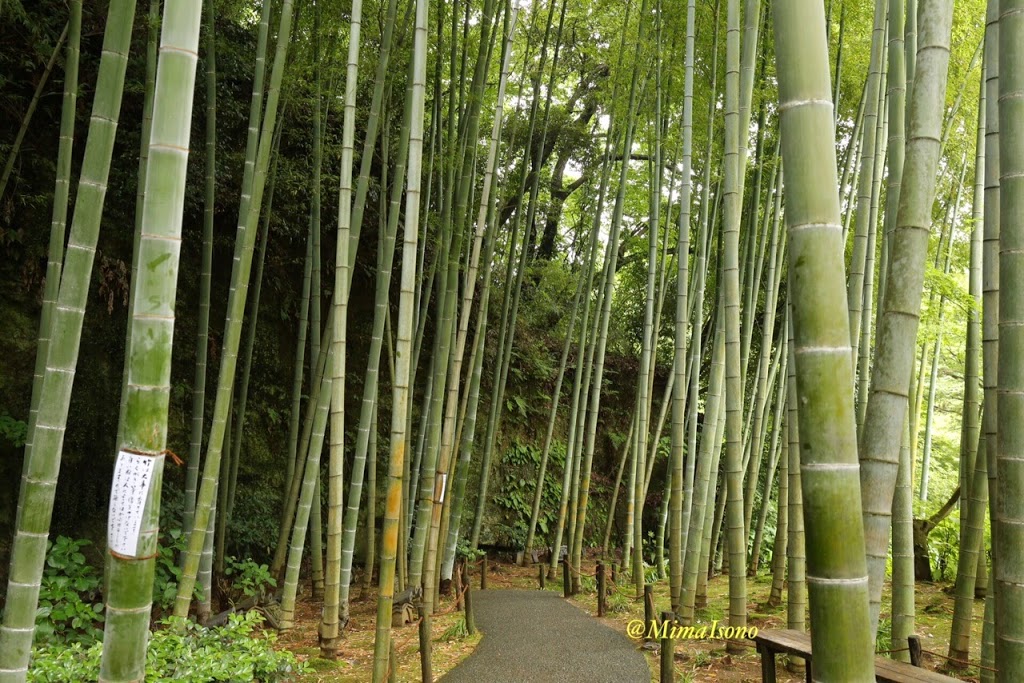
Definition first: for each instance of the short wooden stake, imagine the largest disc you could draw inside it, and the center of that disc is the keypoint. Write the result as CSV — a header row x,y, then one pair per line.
x,y
541,576
468,599
457,582
566,586
615,572
915,649
649,617
483,575
600,589
426,671
668,666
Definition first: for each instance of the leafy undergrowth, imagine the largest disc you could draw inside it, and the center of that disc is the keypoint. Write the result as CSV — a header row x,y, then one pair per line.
x,y
707,659
69,625
235,652
354,664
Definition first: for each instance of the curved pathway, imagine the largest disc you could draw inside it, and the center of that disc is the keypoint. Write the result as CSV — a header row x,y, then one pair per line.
x,y
537,637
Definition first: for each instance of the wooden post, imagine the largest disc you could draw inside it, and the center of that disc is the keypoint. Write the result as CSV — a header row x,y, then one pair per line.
x,y
426,672
915,649
566,586
600,589
541,576
768,663
457,582
615,567
649,617
468,597
668,665
483,574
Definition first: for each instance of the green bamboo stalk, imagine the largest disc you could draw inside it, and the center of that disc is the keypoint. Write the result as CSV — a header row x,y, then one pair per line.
x,y
685,587
606,545
329,623
59,215
584,351
755,442
731,286
645,375
971,426
836,567
307,497
890,378
773,463
250,343
43,451
403,348
204,578
868,166
129,591
867,293
153,19
990,311
513,294
195,450
971,551
703,493
385,262
371,508
602,340
468,426
903,554
298,373
910,48
222,496
1009,627
782,519
951,216
458,336
988,656
796,594
706,563
236,305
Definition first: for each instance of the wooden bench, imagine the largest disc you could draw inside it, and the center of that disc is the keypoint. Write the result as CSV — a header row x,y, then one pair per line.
x,y
798,643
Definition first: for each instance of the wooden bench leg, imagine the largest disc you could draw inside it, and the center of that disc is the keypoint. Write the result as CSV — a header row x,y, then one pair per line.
x,y
767,664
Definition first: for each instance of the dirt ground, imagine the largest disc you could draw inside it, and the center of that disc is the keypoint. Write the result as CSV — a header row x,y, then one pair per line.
x,y
696,660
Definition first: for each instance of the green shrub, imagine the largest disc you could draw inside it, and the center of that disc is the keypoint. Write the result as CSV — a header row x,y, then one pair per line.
x,y
517,489
247,577
12,430
192,655
456,631
70,607
168,573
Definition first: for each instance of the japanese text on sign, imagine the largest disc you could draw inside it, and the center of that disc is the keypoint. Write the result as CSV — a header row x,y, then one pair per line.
x,y
133,475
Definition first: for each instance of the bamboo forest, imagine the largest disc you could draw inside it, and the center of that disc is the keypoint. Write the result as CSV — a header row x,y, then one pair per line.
x,y
512,340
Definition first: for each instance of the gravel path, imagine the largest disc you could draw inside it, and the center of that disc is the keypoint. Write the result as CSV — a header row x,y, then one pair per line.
x,y
537,637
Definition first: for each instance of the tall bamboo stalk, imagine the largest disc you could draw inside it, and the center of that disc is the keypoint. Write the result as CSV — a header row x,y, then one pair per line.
x,y
836,567
45,441
897,330
129,591
61,190
403,349
1009,622
233,325
195,450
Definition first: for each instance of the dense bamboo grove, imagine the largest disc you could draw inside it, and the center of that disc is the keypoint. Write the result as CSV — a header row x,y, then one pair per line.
x,y
701,288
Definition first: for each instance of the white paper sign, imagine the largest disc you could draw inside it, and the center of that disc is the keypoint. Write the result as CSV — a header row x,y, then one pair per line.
x,y
444,486
133,476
